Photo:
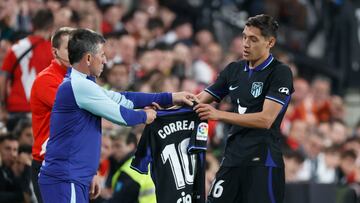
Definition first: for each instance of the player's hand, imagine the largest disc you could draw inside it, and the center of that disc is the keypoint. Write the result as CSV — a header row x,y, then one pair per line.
x,y
154,106
180,98
150,115
206,112
95,187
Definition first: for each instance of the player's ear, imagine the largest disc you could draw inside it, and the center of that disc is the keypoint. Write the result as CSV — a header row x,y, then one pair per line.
x,y
272,41
88,59
54,51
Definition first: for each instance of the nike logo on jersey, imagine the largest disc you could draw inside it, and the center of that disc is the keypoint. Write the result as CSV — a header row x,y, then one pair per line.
x,y
256,159
232,88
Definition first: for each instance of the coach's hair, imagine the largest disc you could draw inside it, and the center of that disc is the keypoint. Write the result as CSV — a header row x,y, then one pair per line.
x,y
83,41
56,38
267,25
43,20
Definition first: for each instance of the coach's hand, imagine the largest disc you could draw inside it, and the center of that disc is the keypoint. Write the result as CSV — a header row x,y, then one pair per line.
x,y
150,115
95,187
207,112
181,98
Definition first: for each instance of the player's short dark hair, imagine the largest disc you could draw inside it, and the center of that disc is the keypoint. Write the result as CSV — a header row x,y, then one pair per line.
x,y
56,38
83,41
43,20
267,24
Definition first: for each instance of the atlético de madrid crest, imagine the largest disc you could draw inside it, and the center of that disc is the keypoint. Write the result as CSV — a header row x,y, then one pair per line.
x,y
256,89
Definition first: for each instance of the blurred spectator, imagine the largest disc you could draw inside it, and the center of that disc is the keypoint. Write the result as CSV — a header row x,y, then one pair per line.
x,y
128,185
112,15
118,77
357,129
156,30
297,135
65,17
328,162
22,63
181,30
15,172
135,23
212,166
235,52
111,49
206,68
89,20
339,132
183,61
347,167
23,132
127,48
119,151
293,162
313,145
337,108
320,92
204,38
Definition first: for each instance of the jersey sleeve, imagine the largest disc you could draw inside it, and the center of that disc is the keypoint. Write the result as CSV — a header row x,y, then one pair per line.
x,y
91,97
198,139
281,85
220,88
141,99
45,83
142,157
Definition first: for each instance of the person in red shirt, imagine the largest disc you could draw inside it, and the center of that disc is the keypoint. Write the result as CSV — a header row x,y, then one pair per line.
x,y
42,99
23,61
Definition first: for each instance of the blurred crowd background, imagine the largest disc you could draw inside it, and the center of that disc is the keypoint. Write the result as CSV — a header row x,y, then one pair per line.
x,y
181,45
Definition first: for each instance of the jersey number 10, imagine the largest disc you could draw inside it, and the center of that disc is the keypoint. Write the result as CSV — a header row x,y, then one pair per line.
x,y
178,165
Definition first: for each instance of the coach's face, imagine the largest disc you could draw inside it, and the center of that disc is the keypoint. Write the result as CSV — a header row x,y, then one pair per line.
x,y
256,46
97,61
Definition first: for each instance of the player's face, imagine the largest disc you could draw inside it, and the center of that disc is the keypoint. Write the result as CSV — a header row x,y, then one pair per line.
x,y
256,46
97,61
62,52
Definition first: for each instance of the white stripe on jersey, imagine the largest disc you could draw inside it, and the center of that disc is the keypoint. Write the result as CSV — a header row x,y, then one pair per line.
x,y
73,194
28,74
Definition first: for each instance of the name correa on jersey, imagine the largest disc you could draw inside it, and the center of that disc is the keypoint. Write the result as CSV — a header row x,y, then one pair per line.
x,y
174,144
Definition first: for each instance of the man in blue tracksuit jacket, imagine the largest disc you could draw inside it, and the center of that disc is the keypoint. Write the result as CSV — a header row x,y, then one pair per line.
x,y
68,173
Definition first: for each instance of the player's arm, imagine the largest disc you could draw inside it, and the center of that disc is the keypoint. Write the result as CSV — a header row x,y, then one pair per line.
x,y
45,90
140,99
218,90
263,119
91,97
205,97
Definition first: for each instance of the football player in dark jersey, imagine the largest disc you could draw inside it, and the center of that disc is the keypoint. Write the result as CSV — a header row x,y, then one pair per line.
x,y
260,87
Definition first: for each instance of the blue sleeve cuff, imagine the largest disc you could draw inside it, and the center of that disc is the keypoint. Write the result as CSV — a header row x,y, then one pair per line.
x,y
132,117
141,99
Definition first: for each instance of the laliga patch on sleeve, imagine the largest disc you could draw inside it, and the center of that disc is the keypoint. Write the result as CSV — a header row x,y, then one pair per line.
x,y
202,131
